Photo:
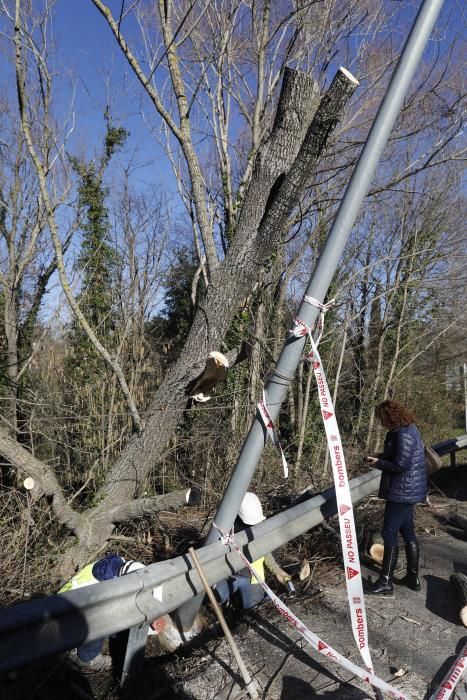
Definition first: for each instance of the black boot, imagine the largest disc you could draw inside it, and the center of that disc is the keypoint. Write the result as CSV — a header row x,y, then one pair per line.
x,y
411,579
383,586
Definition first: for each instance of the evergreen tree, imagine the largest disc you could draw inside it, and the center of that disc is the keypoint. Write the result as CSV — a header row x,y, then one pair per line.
x,y
98,262
166,332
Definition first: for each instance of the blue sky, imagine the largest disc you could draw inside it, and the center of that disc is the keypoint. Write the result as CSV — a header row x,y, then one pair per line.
x,y
89,55
91,52
88,50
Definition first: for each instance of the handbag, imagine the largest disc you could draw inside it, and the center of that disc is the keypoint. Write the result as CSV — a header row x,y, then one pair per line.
x,y
433,460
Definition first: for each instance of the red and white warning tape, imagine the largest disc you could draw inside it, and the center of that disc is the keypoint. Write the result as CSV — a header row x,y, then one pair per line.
x,y
272,432
452,677
316,642
347,531
344,502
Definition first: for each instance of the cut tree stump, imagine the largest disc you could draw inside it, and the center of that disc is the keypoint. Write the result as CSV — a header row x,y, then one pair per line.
x,y
459,583
374,545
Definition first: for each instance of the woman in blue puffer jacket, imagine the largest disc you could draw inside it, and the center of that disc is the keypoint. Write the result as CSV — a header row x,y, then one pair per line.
x,y
403,484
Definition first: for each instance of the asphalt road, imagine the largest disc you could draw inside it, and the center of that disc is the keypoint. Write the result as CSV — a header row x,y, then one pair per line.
x,y
415,635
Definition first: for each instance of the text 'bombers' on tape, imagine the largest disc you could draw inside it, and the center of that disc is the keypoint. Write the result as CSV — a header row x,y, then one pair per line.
x,y
348,533
452,678
316,642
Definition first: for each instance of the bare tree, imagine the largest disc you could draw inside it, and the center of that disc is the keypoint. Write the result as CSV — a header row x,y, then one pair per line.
x,y
262,172
27,262
282,169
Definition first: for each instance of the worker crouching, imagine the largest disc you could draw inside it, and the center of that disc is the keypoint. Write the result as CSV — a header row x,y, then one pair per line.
x,y
89,655
245,586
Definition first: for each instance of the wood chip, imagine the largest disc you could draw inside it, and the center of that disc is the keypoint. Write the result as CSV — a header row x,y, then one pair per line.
x,y
409,619
400,672
304,570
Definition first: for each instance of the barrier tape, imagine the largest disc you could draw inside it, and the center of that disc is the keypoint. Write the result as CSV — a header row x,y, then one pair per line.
x,y
353,576
272,432
316,642
452,677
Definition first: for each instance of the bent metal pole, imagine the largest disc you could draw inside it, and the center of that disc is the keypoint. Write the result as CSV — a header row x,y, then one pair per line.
x,y
280,379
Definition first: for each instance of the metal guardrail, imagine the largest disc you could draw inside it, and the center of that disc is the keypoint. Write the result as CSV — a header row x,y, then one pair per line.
x,y
39,628
451,447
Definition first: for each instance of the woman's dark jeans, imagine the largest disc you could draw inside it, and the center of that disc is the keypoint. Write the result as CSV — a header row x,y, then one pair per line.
x,y
398,517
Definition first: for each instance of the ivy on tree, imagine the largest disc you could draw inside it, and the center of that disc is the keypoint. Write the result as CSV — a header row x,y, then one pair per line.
x,y
98,261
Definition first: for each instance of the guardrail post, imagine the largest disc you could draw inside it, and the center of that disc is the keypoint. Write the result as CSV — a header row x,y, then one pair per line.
x,y
134,659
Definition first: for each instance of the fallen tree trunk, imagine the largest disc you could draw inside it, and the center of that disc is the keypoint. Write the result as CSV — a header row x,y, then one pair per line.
x,y
373,545
459,583
459,519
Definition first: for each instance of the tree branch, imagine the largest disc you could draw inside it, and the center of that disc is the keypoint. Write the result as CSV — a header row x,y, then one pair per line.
x,y
183,132
54,230
144,507
43,476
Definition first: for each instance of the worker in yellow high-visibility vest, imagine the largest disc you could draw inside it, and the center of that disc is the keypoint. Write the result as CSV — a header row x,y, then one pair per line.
x,y
89,655
244,584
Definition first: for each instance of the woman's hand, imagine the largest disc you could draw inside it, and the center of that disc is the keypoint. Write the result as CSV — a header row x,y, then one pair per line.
x,y
371,459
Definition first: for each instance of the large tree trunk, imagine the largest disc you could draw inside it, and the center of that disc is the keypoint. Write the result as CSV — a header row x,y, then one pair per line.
x,y
11,333
283,167
262,222
257,352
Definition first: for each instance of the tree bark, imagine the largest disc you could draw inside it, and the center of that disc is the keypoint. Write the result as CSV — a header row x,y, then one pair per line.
x,y
11,333
459,583
261,225
283,167
257,354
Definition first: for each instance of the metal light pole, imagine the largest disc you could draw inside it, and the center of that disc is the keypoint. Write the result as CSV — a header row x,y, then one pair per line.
x,y
278,384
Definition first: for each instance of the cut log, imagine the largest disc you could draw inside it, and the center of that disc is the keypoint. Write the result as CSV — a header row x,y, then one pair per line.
x,y
374,545
376,552
459,584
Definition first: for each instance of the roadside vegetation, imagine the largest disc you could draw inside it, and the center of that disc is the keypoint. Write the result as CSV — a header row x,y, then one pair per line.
x,y
113,292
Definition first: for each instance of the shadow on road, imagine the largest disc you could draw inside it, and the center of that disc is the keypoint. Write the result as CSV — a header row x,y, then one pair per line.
x,y
439,598
275,637
444,668
299,689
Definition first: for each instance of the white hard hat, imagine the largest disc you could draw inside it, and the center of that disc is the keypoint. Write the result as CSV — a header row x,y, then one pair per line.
x,y
130,566
251,510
